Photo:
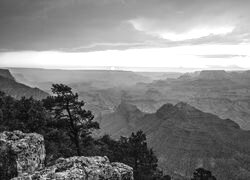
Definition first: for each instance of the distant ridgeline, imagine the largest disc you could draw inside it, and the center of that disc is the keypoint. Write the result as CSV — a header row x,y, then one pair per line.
x,y
185,138
225,94
10,86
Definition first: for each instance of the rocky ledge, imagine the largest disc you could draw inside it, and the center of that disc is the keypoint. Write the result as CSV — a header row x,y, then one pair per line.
x,y
85,168
22,158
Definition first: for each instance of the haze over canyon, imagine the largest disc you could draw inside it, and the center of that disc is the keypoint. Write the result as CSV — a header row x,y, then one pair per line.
x,y
198,119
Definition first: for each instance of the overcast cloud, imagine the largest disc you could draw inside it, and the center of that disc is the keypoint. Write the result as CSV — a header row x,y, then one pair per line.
x,y
110,24
205,31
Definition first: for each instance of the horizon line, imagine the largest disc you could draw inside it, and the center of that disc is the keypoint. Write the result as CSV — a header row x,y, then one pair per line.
x,y
135,69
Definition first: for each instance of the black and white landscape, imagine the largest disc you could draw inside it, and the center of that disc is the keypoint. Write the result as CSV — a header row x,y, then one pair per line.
x,y
124,89
191,120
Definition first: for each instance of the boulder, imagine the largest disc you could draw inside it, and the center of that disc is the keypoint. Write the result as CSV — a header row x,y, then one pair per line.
x,y
21,153
82,168
8,165
22,158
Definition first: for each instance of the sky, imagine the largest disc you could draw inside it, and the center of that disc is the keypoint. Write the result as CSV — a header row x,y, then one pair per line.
x,y
76,34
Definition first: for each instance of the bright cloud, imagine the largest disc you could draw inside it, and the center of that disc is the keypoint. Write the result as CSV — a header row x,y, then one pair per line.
x,y
196,33
149,27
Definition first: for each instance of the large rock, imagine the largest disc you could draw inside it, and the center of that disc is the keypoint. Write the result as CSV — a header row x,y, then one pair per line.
x,y
21,153
8,165
22,158
82,168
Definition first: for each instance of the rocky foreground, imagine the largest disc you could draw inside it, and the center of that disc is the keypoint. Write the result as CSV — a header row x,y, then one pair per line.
x,y
22,158
21,153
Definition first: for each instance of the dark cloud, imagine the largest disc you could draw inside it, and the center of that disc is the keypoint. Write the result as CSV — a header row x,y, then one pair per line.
x,y
106,24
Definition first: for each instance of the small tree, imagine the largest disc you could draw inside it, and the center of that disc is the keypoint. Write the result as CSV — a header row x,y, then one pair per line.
x,y
166,177
70,116
202,174
139,156
110,148
7,112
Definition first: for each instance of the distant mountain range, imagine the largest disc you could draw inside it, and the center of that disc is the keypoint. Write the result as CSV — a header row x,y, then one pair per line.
x,y
43,78
185,138
10,86
224,93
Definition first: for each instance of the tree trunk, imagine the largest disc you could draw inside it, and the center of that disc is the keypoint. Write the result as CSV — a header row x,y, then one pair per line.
x,y
135,168
77,144
75,132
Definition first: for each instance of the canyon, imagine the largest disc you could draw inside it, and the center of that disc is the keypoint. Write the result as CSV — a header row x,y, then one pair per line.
x,y
185,138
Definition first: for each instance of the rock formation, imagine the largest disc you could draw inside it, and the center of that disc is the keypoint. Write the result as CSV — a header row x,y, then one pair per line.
x,y
23,152
6,74
11,87
86,168
214,74
8,165
185,138
22,158
225,94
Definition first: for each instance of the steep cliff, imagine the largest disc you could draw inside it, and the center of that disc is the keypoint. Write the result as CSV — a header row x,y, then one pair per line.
x,y
6,74
18,90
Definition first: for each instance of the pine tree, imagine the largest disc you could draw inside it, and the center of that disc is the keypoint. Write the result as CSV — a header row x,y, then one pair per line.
x,y
69,115
139,156
202,174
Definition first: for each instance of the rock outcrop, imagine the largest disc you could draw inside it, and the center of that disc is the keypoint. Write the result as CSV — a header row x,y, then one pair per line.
x,y
22,158
214,74
8,165
11,87
24,153
85,168
6,74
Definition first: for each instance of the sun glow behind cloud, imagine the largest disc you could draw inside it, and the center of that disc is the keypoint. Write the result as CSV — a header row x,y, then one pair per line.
x,y
149,27
183,56
196,33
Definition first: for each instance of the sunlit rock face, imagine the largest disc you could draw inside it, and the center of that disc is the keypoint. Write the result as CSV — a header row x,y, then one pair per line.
x,y
25,153
86,168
